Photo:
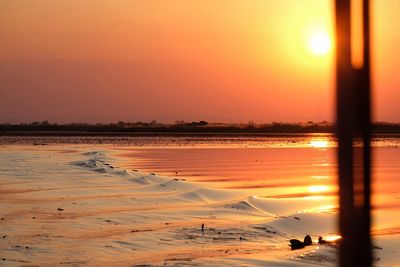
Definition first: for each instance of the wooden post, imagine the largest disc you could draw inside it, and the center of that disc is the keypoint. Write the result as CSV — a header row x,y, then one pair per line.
x,y
353,133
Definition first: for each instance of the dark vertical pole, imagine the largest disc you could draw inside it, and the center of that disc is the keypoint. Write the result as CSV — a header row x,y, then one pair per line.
x,y
353,132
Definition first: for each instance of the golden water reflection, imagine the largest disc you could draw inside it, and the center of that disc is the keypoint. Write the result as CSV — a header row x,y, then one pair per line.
x,y
332,238
319,142
276,171
262,171
319,188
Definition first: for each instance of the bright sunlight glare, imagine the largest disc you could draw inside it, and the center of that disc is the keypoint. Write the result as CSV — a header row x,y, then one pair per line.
x,y
318,188
320,43
332,238
319,143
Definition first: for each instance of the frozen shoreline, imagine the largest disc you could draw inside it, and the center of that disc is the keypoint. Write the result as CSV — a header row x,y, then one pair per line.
x,y
77,207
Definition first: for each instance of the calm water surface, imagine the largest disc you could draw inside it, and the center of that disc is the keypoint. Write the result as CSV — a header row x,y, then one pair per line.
x,y
283,166
300,166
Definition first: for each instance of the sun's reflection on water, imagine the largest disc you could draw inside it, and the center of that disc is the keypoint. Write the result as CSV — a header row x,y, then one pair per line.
x,y
319,143
332,238
318,188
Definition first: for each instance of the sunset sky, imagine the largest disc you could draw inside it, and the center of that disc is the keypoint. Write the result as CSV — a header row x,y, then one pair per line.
x,y
167,60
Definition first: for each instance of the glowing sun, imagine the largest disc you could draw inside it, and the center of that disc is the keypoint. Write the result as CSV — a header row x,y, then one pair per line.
x,y
320,43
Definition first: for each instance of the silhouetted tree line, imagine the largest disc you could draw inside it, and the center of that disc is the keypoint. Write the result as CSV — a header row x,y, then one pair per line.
x,y
45,127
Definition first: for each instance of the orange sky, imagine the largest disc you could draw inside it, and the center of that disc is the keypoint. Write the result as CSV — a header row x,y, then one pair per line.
x,y
215,60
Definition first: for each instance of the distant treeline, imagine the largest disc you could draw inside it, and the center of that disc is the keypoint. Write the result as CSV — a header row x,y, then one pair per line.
x,y
122,127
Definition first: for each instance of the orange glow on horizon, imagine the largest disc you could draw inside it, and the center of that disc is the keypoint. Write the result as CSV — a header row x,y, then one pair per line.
x,y
258,60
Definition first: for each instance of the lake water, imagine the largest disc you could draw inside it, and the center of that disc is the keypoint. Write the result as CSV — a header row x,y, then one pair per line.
x,y
264,166
274,166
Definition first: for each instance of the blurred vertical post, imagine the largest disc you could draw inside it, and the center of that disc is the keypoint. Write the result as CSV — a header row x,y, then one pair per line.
x,y
353,131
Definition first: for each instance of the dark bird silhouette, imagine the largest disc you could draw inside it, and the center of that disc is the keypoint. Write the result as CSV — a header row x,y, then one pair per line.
x,y
307,240
297,244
